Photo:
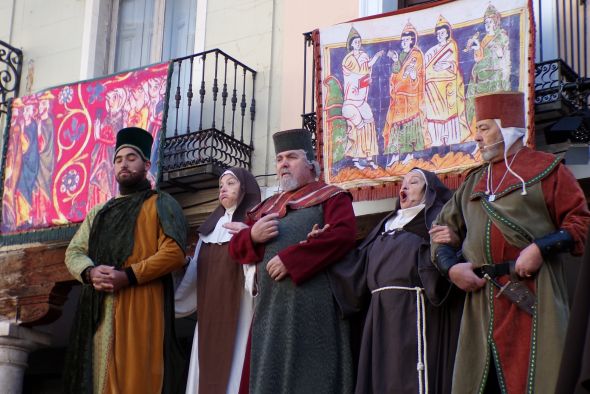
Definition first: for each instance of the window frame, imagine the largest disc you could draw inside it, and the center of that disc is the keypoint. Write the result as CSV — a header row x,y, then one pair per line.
x,y
100,32
157,38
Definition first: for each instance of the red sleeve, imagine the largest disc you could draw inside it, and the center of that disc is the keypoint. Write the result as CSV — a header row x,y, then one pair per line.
x,y
567,205
242,249
305,260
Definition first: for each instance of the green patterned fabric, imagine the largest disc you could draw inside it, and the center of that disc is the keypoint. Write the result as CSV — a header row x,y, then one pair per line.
x,y
490,74
406,138
299,344
334,100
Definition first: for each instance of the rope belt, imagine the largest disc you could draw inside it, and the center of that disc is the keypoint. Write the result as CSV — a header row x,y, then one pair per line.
x,y
422,366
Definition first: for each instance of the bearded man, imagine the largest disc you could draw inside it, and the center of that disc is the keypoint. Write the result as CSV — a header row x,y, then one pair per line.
x,y
298,342
123,337
513,219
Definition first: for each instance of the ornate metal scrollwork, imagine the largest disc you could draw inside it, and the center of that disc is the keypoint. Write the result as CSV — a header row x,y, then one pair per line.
x,y
556,81
309,123
204,147
11,62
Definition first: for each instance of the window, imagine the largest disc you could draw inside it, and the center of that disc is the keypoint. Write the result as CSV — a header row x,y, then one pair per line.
x,y
134,23
410,3
139,32
149,31
372,7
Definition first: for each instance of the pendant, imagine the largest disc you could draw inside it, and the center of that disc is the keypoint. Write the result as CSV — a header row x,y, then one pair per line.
x,y
492,198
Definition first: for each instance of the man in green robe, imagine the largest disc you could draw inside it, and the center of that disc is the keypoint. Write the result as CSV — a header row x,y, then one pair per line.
x,y
123,337
522,206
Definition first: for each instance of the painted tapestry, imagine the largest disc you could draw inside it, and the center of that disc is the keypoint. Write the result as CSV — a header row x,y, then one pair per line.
x,y
61,143
398,91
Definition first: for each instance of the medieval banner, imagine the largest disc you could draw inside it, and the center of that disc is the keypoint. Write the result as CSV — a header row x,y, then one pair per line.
x,y
60,143
397,91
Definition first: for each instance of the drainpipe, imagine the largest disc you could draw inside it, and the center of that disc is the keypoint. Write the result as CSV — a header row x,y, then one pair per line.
x,y
10,22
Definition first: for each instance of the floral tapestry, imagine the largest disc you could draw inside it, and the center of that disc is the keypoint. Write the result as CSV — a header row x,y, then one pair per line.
x,y
60,144
397,91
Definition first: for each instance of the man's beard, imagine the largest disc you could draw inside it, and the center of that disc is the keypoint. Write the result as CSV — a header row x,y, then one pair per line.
x,y
490,154
289,184
133,179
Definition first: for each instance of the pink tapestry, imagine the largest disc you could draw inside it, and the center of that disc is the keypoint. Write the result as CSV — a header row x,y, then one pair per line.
x,y
61,142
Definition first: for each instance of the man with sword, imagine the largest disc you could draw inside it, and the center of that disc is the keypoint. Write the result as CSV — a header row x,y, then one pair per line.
x,y
502,239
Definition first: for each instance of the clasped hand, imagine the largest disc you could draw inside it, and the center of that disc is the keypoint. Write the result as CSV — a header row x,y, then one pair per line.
x,y
107,278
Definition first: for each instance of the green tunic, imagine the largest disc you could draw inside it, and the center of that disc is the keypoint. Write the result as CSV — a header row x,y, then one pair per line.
x,y
493,232
299,344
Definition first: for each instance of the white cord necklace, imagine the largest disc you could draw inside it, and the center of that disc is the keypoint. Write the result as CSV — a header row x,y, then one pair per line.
x,y
490,190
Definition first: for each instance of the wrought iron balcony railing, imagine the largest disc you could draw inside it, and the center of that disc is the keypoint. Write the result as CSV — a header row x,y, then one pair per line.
x,y
556,88
211,112
561,72
308,118
11,62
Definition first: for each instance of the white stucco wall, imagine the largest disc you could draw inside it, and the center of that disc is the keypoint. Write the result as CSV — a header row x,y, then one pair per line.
x,y
5,19
244,30
50,36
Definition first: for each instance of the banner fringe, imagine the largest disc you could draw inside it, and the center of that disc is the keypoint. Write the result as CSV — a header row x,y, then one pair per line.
x,y
391,189
63,233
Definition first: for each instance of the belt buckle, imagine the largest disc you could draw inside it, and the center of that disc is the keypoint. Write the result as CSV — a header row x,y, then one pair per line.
x,y
488,269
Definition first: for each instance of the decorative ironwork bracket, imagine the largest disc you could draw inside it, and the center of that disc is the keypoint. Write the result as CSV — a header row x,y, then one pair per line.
x,y
11,63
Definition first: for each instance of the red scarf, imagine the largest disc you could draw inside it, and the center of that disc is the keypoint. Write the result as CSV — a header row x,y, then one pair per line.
x,y
313,193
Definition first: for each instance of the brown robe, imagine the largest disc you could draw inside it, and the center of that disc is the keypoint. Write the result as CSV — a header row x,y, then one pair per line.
x,y
220,288
389,346
220,285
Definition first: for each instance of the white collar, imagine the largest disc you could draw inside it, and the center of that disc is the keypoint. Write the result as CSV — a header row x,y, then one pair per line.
x,y
220,233
403,217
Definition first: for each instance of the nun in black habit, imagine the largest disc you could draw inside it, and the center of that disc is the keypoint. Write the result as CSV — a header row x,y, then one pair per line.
x,y
413,315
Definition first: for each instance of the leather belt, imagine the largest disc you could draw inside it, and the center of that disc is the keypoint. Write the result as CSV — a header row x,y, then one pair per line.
x,y
495,270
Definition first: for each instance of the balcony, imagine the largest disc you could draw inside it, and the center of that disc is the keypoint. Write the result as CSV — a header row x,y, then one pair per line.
x,y
558,90
209,129
561,83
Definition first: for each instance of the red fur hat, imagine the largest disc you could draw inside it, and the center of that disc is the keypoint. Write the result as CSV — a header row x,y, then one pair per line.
x,y
507,106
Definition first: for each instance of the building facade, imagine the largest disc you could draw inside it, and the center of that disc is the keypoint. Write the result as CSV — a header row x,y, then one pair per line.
x,y
64,41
